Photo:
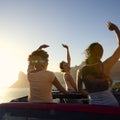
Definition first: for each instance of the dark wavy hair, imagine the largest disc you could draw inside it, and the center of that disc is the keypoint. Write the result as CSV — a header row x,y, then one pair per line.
x,y
61,66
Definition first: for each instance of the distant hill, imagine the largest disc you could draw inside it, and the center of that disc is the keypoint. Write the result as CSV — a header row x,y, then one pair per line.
x,y
22,81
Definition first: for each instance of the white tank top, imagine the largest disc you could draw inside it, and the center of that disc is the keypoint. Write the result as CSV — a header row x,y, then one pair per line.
x,y
68,86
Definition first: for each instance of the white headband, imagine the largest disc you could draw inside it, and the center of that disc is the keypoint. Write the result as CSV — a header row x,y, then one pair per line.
x,y
38,61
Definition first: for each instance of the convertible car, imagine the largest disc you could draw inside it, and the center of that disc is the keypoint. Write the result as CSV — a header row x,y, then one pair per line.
x,y
20,109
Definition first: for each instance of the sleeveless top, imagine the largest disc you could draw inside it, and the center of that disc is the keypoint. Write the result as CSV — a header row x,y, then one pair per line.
x,y
99,94
68,86
40,85
97,73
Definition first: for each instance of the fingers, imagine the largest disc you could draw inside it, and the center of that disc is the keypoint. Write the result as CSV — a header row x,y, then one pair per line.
x,y
65,46
110,26
43,46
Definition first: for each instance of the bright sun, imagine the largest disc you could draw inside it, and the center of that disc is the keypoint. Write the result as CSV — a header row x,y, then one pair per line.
x,y
8,69
10,63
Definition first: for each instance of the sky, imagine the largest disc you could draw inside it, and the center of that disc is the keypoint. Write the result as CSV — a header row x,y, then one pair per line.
x,y
27,24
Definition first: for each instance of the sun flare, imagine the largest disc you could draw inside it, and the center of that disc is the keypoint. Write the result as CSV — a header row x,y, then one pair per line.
x,y
10,63
8,69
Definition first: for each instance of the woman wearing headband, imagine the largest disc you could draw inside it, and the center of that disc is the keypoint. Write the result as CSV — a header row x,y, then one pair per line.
x,y
40,79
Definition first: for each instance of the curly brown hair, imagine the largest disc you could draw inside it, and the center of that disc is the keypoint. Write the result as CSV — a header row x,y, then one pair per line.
x,y
38,55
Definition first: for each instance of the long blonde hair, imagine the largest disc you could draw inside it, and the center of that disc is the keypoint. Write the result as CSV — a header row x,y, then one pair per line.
x,y
95,50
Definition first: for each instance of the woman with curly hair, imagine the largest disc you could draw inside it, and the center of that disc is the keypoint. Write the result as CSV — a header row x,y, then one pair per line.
x,y
40,79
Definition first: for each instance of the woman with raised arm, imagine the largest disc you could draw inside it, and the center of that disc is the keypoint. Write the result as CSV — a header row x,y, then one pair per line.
x,y
65,68
96,74
40,79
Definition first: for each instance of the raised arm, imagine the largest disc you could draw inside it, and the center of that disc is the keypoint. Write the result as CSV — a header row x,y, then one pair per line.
x,y
108,63
68,54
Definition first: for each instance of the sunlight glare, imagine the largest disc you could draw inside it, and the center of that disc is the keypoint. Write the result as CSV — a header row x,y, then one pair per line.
x,y
10,62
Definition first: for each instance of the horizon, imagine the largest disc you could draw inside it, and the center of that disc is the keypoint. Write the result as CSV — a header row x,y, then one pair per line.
x,y
27,24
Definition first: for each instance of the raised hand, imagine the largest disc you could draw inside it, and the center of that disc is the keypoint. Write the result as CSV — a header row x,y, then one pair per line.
x,y
43,46
111,26
65,46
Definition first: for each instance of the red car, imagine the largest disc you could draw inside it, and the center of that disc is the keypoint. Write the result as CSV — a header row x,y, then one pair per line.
x,y
57,111
20,109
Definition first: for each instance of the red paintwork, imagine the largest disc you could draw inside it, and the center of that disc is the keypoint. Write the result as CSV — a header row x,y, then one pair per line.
x,y
64,107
